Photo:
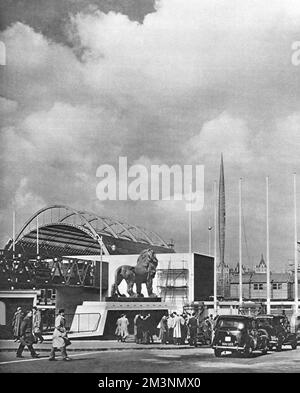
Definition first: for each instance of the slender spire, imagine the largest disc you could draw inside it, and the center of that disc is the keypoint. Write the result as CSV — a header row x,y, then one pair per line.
x,y
221,222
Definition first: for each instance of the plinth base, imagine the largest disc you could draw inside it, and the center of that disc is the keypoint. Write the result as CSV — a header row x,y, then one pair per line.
x,y
133,299
98,319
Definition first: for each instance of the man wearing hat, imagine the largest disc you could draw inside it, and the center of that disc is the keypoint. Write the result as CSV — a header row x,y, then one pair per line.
x,y
27,338
60,338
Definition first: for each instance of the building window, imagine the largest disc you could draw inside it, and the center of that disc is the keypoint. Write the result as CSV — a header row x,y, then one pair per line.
x,y
277,285
258,287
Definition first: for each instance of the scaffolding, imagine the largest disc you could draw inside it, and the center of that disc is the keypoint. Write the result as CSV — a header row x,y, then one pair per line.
x,y
173,283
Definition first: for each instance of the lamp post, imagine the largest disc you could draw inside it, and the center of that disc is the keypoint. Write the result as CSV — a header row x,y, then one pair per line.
x,y
209,237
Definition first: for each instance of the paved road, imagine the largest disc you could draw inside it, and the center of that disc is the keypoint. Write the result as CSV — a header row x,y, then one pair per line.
x,y
191,360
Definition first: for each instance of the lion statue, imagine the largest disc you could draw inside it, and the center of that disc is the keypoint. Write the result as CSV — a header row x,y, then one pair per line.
x,y
143,272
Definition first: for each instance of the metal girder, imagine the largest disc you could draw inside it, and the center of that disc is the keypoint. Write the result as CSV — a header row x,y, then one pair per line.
x,y
142,232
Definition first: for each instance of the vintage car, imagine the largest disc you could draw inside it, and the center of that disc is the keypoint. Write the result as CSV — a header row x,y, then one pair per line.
x,y
240,334
278,329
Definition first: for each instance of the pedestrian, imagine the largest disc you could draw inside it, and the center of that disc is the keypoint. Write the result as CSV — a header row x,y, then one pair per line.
x,y
193,327
171,320
138,332
147,329
27,338
37,324
211,323
16,323
118,328
163,331
60,338
184,328
177,328
123,327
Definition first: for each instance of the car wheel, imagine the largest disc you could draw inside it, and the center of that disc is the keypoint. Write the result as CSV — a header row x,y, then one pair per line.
x,y
294,345
265,350
218,353
248,351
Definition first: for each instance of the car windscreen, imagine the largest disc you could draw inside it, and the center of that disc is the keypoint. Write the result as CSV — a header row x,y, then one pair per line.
x,y
230,324
264,321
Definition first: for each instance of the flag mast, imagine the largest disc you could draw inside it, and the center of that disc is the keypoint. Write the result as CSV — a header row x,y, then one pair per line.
x,y
240,244
268,247
295,246
215,248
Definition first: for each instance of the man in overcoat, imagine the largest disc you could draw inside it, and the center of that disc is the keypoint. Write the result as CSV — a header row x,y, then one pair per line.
x,y
27,338
59,338
37,324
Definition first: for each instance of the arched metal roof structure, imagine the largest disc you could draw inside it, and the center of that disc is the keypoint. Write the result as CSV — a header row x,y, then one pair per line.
x,y
63,230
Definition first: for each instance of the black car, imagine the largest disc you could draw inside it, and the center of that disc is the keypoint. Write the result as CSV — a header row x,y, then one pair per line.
x,y
240,334
278,329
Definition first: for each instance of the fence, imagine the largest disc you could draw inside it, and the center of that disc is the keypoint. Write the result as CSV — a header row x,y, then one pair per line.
x,y
88,322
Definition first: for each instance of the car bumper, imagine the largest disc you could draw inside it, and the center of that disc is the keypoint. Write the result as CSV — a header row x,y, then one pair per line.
x,y
228,348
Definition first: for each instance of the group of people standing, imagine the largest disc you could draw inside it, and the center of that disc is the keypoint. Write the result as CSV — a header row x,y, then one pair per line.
x,y
143,328
179,328
27,330
172,329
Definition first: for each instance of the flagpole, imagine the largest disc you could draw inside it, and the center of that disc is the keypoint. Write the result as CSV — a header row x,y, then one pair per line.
x,y
240,244
101,271
37,236
190,221
14,233
268,247
215,248
295,246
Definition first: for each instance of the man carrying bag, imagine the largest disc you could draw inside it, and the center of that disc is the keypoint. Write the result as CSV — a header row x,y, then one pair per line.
x,y
60,339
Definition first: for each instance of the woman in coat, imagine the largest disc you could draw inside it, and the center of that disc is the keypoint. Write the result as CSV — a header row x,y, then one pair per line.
x,y
27,338
178,321
138,332
16,323
163,332
59,337
124,328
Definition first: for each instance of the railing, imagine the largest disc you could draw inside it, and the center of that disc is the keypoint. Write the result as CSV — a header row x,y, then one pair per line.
x,y
87,322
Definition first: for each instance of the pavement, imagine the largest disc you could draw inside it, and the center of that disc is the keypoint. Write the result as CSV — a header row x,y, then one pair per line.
x,y
91,345
152,359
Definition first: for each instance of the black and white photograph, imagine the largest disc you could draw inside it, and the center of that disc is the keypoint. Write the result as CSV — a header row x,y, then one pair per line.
x,y
150,190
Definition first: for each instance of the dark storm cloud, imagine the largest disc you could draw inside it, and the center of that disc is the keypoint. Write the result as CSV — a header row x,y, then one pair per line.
x,y
195,79
50,17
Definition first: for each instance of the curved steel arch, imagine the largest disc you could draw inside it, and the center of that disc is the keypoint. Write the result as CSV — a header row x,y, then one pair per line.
x,y
94,217
158,237
115,222
126,230
93,234
89,228
140,230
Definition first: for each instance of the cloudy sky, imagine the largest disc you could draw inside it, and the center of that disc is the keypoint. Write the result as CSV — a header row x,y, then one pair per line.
x,y
174,82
